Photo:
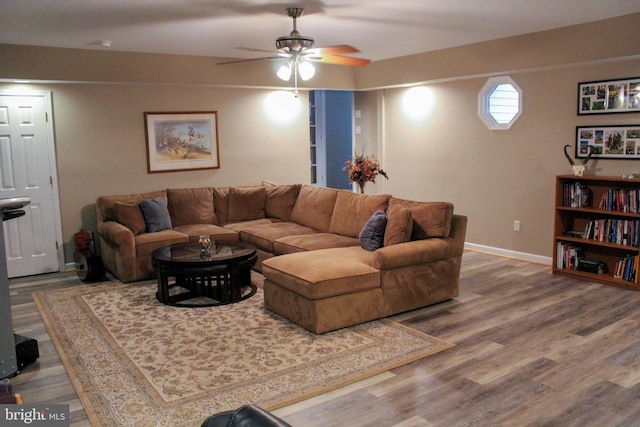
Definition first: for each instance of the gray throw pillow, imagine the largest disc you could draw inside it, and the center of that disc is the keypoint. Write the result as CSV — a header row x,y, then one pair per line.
x,y
156,214
372,234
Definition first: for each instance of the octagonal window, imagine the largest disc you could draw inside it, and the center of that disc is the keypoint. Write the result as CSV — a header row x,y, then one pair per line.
x,y
500,103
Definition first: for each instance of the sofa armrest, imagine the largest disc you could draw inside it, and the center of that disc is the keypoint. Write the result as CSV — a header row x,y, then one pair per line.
x,y
116,234
118,250
423,251
414,253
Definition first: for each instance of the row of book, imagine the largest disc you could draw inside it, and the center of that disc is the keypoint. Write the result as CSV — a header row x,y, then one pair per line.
x,y
619,231
621,200
626,268
568,255
572,257
576,195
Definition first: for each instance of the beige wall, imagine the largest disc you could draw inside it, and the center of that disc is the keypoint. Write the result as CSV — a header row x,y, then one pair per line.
x,y
494,177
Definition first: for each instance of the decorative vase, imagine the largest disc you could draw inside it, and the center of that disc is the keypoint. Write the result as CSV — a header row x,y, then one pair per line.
x,y
205,243
361,186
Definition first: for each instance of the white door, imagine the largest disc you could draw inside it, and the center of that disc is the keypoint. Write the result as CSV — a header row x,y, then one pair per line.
x,y
27,168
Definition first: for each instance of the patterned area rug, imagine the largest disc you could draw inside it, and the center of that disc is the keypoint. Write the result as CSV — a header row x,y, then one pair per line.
x,y
134,361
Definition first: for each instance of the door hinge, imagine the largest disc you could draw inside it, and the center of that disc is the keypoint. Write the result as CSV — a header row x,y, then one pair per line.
x,y
46,117
51,181
57,247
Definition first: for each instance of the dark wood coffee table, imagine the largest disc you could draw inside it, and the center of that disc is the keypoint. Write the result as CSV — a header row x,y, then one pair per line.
x,y
221,276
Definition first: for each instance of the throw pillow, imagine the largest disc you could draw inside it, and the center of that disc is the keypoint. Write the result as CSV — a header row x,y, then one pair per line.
x,y
372,234
246,203
352,210
430,219
221,204
156,214
399,225
190,206
280,200
130,215
314,207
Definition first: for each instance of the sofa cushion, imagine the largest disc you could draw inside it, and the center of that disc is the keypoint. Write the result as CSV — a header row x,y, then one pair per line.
x,y
314,207
263,235
323,273
217,233
353,210
148,242
130,215
430,219
399,225
312,242
280,200
156,214
243,225
372,234
191,206
246,203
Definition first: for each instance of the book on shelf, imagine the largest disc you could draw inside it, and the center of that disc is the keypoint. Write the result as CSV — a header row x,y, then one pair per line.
x,y
626,268
619,231
576,195
568,255
591,266
574,233
621,200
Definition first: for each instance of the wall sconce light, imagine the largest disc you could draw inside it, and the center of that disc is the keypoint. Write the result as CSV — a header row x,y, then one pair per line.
x,y
418,102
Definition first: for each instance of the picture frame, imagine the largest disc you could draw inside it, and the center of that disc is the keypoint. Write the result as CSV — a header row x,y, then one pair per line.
x,y
181,141
609,96
608,142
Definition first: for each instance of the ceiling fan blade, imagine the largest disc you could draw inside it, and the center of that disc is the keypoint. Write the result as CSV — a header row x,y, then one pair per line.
x,y
342,60
235,61
250,49
332,50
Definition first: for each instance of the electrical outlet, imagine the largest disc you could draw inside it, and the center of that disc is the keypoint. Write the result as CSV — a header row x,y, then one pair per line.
x,y
516,225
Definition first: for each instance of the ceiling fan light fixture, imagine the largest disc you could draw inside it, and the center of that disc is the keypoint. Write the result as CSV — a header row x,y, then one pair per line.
x,y
284,72
306,70
294,43
297,53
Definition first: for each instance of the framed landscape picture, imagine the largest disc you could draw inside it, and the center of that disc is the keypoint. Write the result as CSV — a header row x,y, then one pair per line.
x,y
610,142
181,141
608,97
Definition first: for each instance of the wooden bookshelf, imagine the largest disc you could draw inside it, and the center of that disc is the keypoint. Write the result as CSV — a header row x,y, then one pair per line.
x,y
614,236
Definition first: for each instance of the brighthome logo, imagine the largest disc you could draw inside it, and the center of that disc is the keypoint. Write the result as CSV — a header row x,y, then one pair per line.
x,y
34,415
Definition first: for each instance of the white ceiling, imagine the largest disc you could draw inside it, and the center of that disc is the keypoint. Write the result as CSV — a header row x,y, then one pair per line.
x,y
381,29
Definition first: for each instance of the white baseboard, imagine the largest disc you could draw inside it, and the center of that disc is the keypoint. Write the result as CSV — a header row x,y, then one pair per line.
x,y
511,254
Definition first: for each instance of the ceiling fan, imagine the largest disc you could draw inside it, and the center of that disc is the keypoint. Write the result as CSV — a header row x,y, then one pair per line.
x,y
299,51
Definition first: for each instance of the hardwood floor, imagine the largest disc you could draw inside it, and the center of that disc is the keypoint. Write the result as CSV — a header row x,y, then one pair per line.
x,y
531,349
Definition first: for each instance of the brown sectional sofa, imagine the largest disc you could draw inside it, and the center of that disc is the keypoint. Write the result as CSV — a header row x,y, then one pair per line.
x,y
317,273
